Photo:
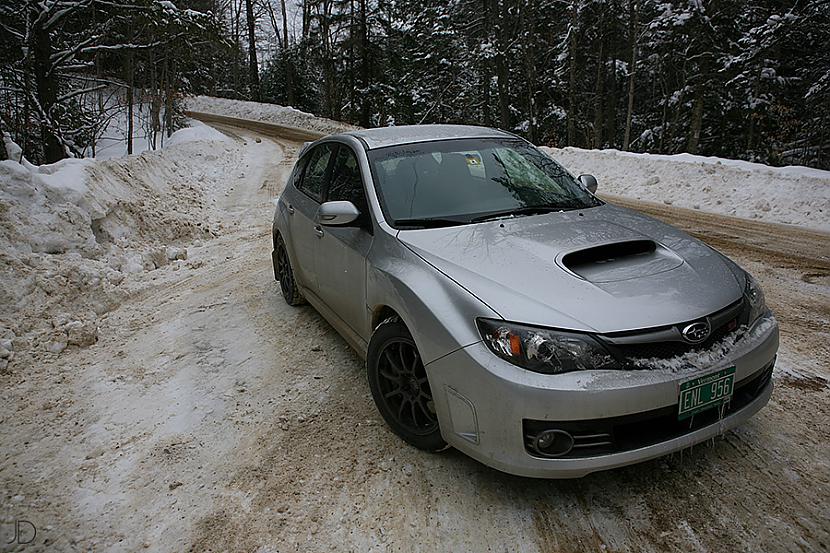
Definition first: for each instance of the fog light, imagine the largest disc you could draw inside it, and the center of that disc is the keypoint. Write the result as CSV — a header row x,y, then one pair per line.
x,y
553,443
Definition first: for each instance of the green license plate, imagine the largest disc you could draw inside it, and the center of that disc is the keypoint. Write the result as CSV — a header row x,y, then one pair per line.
x,y
705,392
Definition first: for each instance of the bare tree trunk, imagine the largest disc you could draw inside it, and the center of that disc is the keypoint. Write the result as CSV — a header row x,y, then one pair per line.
x,y
329,71
599,96
284,24
275,26
665,119
351,82
572,73
47,92
236,12
130,87
366,103
155,102
98,131
253,70
632,68
289,77
501,67
697,121
485,66
3,155
169,95
306,19
614,87
530,73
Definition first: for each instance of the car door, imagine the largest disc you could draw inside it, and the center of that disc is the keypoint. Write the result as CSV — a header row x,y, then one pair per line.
x,y
302,207
342,250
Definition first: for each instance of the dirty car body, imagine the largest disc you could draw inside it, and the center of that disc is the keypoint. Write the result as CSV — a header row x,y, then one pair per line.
x,y
560,335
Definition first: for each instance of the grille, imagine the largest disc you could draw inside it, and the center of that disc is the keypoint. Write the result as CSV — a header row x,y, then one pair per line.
x,y
667,350
723,322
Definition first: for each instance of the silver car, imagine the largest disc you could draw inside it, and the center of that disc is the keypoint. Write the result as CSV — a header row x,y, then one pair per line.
x,y
504,310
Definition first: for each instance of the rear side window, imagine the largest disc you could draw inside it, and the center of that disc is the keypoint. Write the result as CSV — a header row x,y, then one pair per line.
x,y
345,183
314,175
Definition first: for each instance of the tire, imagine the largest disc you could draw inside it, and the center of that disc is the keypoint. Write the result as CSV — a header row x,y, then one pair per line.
x,y
285,275
400,386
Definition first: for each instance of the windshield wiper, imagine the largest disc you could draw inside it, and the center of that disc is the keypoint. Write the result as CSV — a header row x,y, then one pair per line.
x,y
429,222
524,210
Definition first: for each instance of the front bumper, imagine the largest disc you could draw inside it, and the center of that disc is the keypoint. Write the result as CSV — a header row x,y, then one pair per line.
x,y
483,404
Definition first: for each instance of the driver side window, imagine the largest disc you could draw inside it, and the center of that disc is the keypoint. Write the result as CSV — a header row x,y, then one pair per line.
x,y
346,183
315,172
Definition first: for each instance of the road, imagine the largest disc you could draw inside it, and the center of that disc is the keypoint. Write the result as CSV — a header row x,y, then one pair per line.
x,y
210,416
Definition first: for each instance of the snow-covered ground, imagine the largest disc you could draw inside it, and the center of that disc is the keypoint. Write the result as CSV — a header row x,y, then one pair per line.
x,y
78,236
791,195
271,113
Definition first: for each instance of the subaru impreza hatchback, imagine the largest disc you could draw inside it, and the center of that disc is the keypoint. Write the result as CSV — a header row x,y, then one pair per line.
x,y
505,310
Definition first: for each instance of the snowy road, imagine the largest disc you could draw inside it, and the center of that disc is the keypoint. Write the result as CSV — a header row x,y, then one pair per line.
x,y
212,416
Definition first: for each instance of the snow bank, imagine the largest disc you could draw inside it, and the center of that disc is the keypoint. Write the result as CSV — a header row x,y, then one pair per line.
x,y
77,236
113,143
195,132
791,195
271,113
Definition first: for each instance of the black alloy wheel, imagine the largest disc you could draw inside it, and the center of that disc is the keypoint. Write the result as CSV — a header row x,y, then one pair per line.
x,y
401,388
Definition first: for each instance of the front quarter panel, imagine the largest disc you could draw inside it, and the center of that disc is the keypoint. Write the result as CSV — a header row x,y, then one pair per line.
x,y
438,312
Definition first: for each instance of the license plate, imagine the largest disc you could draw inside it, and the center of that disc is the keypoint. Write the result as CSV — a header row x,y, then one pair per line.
x,y
705,392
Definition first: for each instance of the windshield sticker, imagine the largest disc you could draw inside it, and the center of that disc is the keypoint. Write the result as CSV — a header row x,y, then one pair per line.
x,y
473,159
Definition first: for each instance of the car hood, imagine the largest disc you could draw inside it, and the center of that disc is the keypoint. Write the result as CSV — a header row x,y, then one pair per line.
x,y
603,269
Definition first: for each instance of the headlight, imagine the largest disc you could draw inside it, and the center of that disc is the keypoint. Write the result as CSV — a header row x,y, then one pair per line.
x,y
542,350
755,298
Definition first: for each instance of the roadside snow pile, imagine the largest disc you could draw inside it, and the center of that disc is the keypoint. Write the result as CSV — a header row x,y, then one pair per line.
x,y
791,195
76,236
195,132
271,113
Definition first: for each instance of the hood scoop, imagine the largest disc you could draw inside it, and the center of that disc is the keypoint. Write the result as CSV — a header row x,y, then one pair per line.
x,y
620,261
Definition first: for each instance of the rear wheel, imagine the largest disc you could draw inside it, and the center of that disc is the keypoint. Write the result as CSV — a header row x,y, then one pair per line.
x,y
290,291
400,386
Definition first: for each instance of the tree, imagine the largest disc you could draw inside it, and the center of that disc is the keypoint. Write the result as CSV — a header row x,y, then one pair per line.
x,y
252,53
706,76
632,70
58,56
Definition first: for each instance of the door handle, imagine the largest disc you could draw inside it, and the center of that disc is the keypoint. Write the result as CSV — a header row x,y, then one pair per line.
x,y
318,230
290,209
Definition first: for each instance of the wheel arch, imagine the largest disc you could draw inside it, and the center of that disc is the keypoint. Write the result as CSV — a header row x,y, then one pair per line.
x,y
382,313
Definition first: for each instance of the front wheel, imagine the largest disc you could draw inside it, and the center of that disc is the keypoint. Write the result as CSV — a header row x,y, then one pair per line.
x,y
400,386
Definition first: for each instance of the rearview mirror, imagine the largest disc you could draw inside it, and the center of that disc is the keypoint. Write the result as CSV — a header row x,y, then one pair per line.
x,y
589,182
337,213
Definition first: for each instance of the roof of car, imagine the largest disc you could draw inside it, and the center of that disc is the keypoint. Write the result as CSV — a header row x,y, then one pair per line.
x,y
382,137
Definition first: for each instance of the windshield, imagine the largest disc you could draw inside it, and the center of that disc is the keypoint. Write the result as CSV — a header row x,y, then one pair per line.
x,y
459,181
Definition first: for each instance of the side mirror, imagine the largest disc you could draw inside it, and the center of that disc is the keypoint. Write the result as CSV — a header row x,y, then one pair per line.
x,y
589,182
336,213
